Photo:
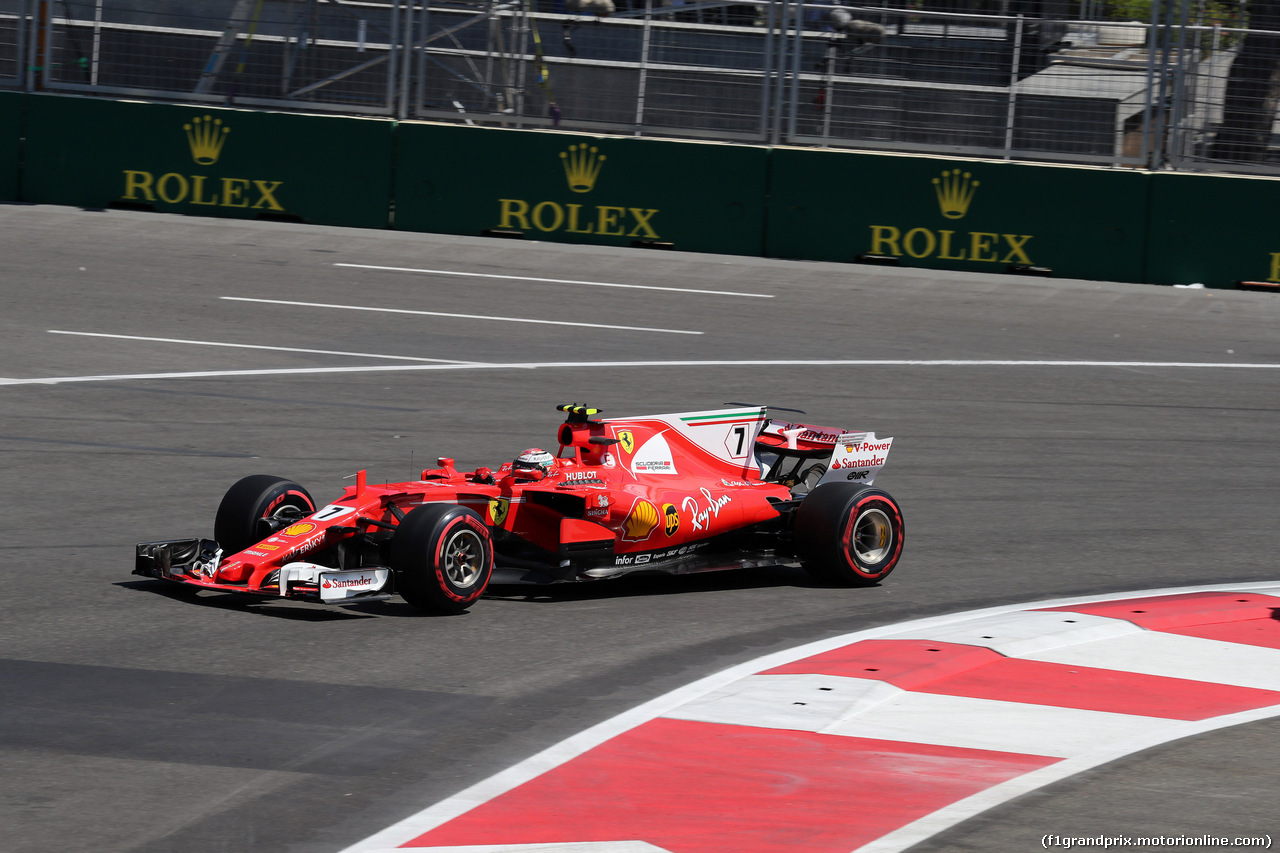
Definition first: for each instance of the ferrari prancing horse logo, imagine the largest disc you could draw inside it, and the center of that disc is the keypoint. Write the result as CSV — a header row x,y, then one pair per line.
x,y
498,508
626,440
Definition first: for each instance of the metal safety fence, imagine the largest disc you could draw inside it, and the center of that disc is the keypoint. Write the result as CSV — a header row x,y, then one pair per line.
x,y
1193,86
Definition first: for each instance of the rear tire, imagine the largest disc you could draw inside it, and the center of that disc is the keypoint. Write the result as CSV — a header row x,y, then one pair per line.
x,y
255,497
849,534
442,555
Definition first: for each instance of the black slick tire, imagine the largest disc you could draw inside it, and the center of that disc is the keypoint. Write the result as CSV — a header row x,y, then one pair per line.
x,y
442,556
849,534
255,497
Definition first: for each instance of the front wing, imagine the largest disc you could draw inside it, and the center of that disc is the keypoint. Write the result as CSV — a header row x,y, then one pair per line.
x,y
194,562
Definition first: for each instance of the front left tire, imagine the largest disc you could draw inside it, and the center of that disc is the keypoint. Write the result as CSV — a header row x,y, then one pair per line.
x,y
257,497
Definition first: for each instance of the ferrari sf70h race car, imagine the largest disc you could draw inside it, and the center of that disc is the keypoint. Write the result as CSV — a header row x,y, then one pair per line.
x,y
679,493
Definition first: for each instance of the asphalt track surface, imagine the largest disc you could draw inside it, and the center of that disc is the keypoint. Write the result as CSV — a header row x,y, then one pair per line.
x,y
135,719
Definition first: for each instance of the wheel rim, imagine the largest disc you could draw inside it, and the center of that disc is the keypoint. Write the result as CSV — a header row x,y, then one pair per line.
x,y
463,558
284,515
288,512
872,536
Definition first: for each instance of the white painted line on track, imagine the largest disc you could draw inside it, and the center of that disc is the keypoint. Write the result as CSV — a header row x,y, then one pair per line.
x,y
561,281
948,816
1029,634
1177,656
894,842
459,316
267,371
258,346
1081,639
864,708
621,365
567,847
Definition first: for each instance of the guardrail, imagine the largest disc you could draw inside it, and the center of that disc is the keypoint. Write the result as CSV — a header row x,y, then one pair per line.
x,y
92,152
11,104
1212,229
921,211
617,191
942,213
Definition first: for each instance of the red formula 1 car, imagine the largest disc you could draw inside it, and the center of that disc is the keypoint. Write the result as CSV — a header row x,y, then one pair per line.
x,y
675,493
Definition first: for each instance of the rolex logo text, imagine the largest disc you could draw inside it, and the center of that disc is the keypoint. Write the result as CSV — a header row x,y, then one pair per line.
x,y
955,191
206,137
582,165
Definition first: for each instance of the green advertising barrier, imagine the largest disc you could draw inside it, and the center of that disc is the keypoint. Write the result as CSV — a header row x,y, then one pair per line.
x,y
10,144
214,162
1213,229
942,213
697,196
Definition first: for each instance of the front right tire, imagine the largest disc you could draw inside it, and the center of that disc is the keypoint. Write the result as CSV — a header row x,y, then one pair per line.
x,y
442,556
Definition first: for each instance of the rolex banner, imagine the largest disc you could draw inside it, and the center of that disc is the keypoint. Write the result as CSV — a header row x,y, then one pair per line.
x,y
618,191
208,161
973,215
985,216
10,143
1213,229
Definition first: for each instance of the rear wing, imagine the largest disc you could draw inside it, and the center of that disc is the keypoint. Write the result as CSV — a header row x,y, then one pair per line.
x,y
808,455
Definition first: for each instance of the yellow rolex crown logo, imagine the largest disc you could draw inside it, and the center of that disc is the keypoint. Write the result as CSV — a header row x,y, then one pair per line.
x,y
582,166
206,137
955,192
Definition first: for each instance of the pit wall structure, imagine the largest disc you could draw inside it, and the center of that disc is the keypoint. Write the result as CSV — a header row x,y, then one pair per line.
x,y
915,210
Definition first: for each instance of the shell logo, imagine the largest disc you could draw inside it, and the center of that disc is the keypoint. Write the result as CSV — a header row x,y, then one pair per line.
x,y
300,529
640,522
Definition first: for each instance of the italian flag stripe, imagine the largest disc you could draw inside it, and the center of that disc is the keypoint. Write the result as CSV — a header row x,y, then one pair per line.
x,y
707,420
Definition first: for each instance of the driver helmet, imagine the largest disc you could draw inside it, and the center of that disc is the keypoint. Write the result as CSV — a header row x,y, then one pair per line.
x,y
534,459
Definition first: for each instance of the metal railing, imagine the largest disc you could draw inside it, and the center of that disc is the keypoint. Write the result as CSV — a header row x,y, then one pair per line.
x,y
1176,92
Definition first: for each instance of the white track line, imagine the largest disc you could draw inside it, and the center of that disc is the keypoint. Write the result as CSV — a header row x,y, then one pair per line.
x,y
864,708
559,281
1082,639
570,847
457,316
913,833
898,840
258,346
596,365
267,371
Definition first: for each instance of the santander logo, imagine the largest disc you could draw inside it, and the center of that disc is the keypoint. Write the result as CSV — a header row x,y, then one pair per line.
x,y
341,583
